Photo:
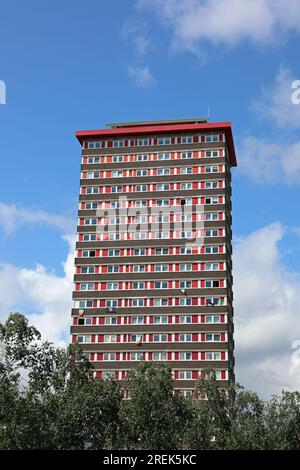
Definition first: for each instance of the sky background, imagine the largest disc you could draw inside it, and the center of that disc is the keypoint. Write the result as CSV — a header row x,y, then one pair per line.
x,y
69,65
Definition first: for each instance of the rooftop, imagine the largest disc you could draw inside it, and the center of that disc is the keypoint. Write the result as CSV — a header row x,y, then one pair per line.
x,y
117,125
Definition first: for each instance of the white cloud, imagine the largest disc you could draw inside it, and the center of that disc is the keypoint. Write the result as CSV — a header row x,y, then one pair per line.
x,y
267,313
41,294
141,76
135,32
13,216
225,21
275,102
269,161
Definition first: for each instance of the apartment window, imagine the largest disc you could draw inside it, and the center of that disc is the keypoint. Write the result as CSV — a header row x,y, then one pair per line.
x,y
84,339
141,158
141,188
109,356
185,302
213,356
164,156
185,319
160,320
137,302
211,284
111,320
185,155
212,319
186,186
159,356
109,374
185,267
187,140
160,338
185,375
211,266
110,338
211,184
184,338
118,159
136,356
113,269
211,216
142,142
213,337
84,321
87,270
211,250
185,356
111,303
141,173
164,141
138,285
87,286
112,286
186,171
161,285
185,284
118,143
137,320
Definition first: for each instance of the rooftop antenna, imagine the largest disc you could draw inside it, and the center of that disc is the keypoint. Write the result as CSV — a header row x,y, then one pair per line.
x,y
208,114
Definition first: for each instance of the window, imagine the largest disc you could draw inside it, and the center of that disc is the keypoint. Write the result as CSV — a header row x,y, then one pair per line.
x,y
213,356
186,186
136,356
109,356
111,320
164,141
112,286
186,170
187,140
84,321
186,337
185,319
160,320
185,375
84,338
137,320
160,338
118,143
212,319
159,356
185,356
185,155
110,338
109,374
142,142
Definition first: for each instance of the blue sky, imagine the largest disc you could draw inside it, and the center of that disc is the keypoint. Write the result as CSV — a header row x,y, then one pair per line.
x,y
71,65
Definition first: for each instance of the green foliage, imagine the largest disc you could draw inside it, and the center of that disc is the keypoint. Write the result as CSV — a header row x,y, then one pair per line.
x,y
50,401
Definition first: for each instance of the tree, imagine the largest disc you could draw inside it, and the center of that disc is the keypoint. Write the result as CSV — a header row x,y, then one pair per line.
x,y
50,400
153,415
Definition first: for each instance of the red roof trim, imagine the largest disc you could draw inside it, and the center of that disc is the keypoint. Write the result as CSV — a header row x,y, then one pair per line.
x,y
164,129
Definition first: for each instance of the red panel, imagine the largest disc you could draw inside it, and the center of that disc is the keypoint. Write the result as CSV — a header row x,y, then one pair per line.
x,y
195,375
194,356
195,336
223,355
176,356
222,336
223,374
